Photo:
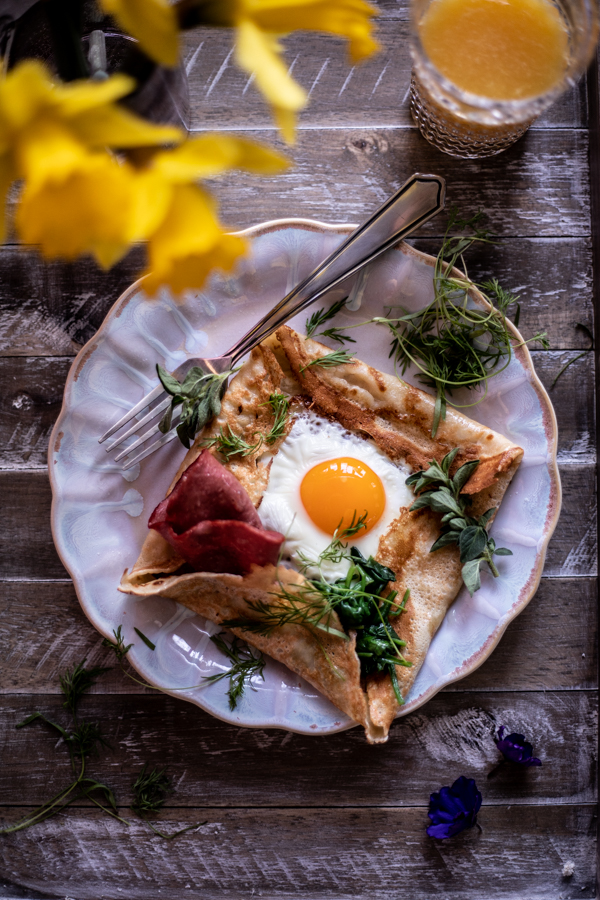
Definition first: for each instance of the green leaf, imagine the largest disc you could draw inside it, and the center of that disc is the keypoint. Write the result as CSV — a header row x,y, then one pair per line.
x,y
168,381
503,551
145,639
448,460
485,518
471,575
463,474
444,540
165,423
472,543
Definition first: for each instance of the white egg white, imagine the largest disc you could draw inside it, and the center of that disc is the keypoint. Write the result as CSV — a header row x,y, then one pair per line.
x,y
313,440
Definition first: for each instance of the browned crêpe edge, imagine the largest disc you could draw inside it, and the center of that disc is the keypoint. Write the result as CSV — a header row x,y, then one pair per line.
x,y
326,661
394,414
397,417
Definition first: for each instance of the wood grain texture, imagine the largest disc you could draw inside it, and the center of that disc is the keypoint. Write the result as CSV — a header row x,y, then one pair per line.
x,y
52,310
220,765
551,645
32,391
27,550
374,93
312,854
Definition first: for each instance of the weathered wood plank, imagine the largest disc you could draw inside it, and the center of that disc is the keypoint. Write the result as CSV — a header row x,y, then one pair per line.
x,y
27,551
51,310
215,764
341,854
374,93
555,649
32,391
539,187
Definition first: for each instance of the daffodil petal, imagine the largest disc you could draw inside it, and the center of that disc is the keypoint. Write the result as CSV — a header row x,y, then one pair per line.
x,y
23,93
211,154
189,243
347,18
257,53
89,211
113,126
82,96
47,151
152,22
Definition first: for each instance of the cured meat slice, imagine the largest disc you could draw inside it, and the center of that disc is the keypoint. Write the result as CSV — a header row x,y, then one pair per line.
x,y
224,545
210,521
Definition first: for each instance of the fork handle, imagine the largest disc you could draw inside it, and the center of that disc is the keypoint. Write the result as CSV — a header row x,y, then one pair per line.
x,y
419,198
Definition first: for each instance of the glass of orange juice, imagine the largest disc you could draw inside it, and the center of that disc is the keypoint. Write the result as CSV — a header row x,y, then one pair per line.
x,y
484,70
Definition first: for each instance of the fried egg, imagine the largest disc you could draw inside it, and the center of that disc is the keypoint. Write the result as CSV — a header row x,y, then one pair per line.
x,y
325,478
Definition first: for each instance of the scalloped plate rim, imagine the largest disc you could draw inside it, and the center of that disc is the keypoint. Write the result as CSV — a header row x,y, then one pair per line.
x,y
528,591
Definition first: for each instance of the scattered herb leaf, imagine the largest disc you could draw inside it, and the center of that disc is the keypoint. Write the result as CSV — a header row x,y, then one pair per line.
x,y
74,684
145,639
437,490
150,790
323,315
244,665
280,405
336,334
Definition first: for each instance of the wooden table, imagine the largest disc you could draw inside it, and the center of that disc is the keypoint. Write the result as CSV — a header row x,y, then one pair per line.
x,y
292,816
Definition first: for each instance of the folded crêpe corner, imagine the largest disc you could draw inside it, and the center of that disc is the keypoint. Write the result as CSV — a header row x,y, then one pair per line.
x,y
397,418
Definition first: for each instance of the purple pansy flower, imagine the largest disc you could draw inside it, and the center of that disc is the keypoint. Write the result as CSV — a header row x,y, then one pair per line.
x,y
516,749
454,808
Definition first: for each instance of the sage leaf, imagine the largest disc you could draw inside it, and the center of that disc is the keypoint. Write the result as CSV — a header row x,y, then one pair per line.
x,y
472,542
471,575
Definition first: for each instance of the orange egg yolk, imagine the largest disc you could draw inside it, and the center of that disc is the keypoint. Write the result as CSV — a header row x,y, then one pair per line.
x,y
337,491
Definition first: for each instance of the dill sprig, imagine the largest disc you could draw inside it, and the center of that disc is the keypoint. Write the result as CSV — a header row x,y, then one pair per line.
x,y
75,683
330,360
244,666
323,315
150,790
452,344
439,491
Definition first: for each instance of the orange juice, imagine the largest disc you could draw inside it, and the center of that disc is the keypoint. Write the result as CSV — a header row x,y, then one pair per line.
x,y
500,49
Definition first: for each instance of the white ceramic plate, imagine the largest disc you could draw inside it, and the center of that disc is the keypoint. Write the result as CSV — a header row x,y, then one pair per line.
x,y
99,513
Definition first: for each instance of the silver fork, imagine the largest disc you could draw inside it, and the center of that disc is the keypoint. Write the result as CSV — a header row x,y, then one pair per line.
x,y
419,198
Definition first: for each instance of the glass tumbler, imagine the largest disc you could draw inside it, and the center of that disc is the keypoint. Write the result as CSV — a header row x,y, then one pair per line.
x,y
468,125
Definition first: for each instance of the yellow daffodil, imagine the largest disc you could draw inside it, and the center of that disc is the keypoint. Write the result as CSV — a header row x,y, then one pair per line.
x,y
189,243
90,210
76,196
152,22
258,24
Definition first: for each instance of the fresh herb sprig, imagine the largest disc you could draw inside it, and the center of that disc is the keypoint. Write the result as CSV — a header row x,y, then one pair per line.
x,y
452,344
322,316
150,790
82,740
357,599
439,491
244,666
199,395
230,444
330,360
75,683
237,673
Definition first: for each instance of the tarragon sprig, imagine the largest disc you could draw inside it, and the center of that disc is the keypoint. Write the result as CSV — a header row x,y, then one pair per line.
x,y
452,344
330,360
199,395
321,316
439,491
230,444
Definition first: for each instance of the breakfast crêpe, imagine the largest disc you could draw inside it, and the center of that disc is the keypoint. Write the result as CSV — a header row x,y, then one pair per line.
x,y
265,522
